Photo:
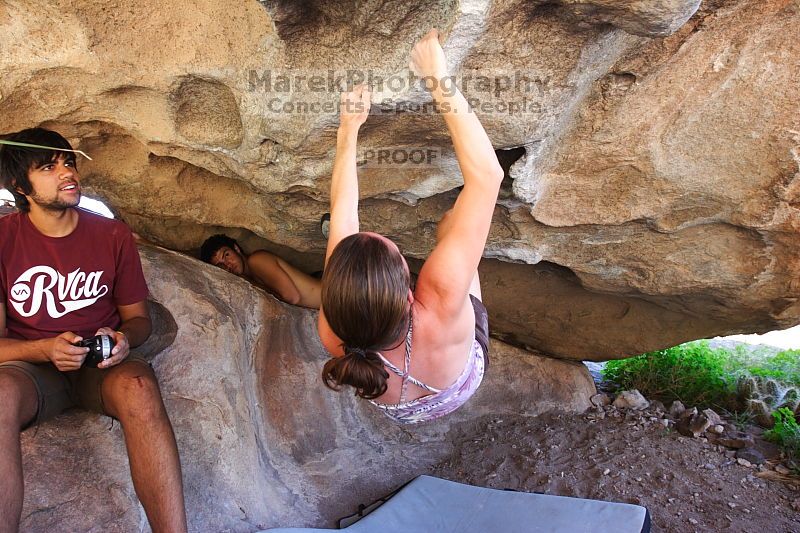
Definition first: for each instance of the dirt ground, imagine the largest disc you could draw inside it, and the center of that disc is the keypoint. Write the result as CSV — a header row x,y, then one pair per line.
x,y
628,456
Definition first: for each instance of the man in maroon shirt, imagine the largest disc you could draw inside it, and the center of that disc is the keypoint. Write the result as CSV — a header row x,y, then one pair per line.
x,y
65,275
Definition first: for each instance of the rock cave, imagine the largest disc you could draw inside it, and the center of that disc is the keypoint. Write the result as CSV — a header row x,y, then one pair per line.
x,y
651,196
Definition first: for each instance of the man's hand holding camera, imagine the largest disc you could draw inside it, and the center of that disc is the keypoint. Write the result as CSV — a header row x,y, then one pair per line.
x,y
120,350
69,351
63,352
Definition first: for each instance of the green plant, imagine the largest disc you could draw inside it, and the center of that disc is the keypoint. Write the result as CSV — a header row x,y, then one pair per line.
x,y
783,366
740,419
786,433
692,372
750,382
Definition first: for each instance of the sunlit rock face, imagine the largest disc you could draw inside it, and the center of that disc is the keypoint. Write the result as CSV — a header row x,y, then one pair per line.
x,y
262,442
652,149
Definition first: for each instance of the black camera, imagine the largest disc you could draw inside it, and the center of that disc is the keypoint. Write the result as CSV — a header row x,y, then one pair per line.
x,y
100,347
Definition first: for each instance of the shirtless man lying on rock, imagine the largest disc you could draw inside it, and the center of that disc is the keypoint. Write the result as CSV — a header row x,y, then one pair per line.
x,y
264,270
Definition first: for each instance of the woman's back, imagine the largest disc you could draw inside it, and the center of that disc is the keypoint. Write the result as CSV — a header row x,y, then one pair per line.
x,y
440,348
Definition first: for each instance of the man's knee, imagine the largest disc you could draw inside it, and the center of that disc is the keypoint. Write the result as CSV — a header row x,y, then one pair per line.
x,y
132,392
18,399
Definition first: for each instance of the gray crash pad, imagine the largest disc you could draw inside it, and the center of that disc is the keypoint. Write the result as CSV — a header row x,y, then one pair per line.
x,y
428,504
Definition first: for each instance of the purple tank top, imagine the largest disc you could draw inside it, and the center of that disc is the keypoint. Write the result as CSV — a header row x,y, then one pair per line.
x,y
439,402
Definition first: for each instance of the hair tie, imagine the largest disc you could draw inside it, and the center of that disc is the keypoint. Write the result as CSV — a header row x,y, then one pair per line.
x,y
358,352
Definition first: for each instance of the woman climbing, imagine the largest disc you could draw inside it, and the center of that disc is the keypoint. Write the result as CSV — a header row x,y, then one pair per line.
x,y
414,355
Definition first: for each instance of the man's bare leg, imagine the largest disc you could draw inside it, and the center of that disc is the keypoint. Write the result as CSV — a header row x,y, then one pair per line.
x,y
131,395
19,404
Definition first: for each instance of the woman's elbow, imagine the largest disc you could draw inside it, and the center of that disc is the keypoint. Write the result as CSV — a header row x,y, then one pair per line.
x,y
496,173
489,179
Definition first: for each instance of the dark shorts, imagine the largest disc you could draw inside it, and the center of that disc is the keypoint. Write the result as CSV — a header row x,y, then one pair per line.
x,y
481,327
58,390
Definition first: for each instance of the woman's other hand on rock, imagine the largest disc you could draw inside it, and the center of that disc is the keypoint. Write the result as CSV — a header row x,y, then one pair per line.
x,y
427,59
354,108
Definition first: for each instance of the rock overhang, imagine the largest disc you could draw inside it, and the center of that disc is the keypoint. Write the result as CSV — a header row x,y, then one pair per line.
x,y
658,170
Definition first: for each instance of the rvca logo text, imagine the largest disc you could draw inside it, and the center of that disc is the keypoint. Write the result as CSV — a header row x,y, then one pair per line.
x,y
61,295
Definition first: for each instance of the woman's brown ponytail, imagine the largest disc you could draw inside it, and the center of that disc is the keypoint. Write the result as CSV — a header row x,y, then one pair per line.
x,y
365,297
361,369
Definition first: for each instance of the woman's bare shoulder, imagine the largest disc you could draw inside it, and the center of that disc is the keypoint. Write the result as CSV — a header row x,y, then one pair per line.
x,y
438,322
440,345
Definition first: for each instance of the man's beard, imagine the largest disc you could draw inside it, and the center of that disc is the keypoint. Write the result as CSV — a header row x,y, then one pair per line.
x,y
54,204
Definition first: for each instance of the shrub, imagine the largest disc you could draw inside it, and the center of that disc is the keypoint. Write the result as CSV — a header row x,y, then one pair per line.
x,y
783,366
755,381
693,373
786,433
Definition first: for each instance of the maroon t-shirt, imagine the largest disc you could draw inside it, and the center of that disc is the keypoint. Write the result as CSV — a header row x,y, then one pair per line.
x,y
55,284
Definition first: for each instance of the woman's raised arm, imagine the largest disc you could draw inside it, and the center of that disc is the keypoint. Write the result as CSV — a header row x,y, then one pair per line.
x,y
445,278
344,190
344,183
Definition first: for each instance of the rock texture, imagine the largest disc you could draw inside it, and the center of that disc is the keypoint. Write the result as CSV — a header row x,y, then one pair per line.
x,y
652,146
647,17
262,442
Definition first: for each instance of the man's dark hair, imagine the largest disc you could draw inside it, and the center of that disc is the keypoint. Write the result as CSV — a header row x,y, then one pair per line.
x,y
16,161
214,243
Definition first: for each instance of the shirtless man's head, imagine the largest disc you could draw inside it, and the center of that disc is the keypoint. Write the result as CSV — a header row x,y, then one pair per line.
x,y
224,252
